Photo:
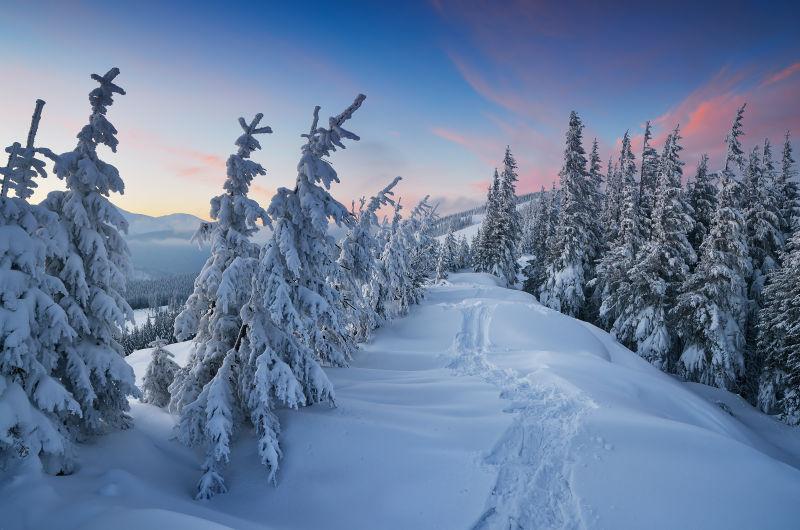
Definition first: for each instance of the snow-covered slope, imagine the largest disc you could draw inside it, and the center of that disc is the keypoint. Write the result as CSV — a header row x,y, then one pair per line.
x,y
481,409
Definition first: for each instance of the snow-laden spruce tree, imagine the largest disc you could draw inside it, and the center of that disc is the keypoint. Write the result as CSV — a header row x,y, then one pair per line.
x,y
613,266
508,229
762,218
34,404
293,321
596,187
528,215
464,253
360,250
788,191
779,338
448,256
159,375
94,271
712,306
565,281
650,289
211,314
489,246
537,232
205,392
648,183
423,248
612,201
765,241
393,283
703,200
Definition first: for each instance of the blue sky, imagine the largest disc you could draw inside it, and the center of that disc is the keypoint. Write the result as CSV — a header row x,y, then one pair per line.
x,y
448,85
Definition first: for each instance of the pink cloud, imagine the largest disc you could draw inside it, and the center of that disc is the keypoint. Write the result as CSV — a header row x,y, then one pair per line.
x,y
785,73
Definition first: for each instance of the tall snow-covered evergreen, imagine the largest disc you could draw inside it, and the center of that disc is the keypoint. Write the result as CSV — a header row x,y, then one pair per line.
x,y
206,392
712,306
648,183
488,249
788,191
613,267
159,375
779,339
448,256
35,405
293,321
94,271
649,290
509,228
703,200
360,250
423,248
563,288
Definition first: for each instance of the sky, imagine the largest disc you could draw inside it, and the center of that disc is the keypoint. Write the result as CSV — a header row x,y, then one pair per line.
x,y
449,84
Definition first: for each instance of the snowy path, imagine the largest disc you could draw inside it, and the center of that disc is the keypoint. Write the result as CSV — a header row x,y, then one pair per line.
x,y
481,409
532,458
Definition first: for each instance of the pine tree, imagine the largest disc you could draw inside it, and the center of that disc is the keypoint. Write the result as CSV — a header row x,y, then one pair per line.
x,y
650,289
204,392
159,376
537,232
489,249
779,339
612,202
448,256
613,267
393,279
292,321
648,183
357,257
509,230
464,254
712,306
423,249
563,289
788,191
36,405
94,272
703,200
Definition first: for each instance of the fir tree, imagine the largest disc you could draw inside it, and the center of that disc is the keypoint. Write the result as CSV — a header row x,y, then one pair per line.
x,y
36,403
488,252
509,228
648,183
646,295
205,391
357,257
613,267
94,271
563,289
448,256
159,376
712,306
537,265
788,191
703,200
779,339
292,321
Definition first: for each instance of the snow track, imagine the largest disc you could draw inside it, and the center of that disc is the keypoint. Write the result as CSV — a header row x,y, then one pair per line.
x,y
532,457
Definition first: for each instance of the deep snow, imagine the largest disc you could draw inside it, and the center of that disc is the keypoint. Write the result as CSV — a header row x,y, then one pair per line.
x,y
481,409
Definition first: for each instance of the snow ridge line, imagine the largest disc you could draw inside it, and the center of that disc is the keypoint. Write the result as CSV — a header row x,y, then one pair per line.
x,y
532,457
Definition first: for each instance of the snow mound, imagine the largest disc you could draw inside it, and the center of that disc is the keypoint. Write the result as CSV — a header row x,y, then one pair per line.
x,y
481,409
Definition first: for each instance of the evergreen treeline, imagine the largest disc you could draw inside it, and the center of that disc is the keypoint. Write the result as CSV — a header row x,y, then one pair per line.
x,y
157,292
158,325
701,279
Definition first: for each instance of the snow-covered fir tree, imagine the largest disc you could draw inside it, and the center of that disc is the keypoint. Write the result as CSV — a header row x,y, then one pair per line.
x,y
508,229
159,375
292,322
763,219
393,282
448,256
204,391
788,191
36,406
612,201
537,232
613,266
648,182
528,216
563,288
703,200
779,339
649,290
765,242
712,306
360,249
488,247
94,271
464,253
423,248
